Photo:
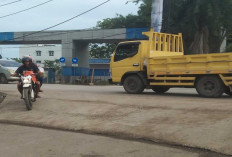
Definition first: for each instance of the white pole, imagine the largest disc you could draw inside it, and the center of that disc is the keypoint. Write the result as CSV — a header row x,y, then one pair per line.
x,y
157,15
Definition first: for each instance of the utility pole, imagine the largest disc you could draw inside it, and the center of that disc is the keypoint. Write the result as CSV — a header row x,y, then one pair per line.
x,y
157,15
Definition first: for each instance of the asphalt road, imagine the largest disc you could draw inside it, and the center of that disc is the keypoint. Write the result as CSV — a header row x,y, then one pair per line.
x,y
178,120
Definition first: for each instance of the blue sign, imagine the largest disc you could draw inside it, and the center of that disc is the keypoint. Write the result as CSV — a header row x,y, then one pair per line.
x,y
7,36
62,60
75,60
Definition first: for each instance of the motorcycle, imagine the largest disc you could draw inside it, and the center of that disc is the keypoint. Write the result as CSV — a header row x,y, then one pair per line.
x,y
29,88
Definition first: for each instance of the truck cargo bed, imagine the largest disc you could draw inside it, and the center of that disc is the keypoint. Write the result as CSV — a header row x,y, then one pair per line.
x,y
163,68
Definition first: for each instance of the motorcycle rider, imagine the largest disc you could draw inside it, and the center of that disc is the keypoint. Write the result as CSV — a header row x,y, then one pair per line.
x,y
27,66
40,78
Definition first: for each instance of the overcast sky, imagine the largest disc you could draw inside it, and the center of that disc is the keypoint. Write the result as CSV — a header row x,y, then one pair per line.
x,y
55,12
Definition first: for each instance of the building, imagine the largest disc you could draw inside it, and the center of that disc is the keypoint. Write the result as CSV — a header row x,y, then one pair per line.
x,y
40,53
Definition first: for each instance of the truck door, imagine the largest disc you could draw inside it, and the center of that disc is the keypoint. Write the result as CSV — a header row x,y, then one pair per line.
x,y
126,59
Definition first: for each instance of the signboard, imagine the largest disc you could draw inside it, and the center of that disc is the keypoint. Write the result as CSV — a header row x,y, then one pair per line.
x,y
75,65
62,60
75,60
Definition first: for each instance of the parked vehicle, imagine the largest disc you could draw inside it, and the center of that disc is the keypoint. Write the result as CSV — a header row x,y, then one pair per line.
x,y
8,67
29,88
160,64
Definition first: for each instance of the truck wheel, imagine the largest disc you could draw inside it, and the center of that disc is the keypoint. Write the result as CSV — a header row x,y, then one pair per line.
x,y
210,86
3,79
159,89
133,85
228,92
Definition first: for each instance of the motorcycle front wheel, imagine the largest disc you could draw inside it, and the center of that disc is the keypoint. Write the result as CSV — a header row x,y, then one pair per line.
x,y
27,98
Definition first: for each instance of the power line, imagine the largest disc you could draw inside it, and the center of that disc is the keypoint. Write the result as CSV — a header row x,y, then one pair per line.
x,y
65,20
26,9
61,32
2,5
69,31
60,22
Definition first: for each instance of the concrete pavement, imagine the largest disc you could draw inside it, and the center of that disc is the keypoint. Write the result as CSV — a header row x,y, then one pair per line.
x,y
34,142
180,117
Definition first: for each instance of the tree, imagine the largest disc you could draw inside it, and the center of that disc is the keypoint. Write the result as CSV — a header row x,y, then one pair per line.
x,y
204,23
101,50
19,60
53,65
141,20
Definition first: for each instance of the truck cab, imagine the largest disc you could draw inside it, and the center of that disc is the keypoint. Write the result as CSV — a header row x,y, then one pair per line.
x,y
128,57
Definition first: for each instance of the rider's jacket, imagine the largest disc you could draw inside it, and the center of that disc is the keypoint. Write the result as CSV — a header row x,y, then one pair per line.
x,y
31,67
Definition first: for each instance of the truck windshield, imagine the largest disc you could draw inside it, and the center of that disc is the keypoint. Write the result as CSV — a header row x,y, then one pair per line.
x,y
9,63
126,50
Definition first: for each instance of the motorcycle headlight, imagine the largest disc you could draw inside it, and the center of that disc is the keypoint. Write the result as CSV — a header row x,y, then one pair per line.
x,y
26,80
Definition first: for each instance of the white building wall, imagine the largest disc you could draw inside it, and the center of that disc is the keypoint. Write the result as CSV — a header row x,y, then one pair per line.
x,y
31,50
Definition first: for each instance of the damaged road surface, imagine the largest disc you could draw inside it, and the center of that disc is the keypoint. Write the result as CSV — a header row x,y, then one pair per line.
x,y
53,143
179,119
2,97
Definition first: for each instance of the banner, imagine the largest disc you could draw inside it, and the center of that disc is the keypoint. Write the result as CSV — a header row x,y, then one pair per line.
x,y
157,15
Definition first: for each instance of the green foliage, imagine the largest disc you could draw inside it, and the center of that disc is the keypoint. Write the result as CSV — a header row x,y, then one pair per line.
x,y
53,65
229,48
101,50
142,19
19,60
202,22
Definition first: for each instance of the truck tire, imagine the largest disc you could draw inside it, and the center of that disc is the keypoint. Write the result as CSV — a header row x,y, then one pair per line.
x,y
228,92
160,89
3,79
133,84
210,86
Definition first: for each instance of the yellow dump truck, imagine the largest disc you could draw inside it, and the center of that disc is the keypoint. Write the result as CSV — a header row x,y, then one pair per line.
x,y
160,64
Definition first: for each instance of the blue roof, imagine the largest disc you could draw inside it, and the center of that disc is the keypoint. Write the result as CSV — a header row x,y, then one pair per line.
x,y
99,61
